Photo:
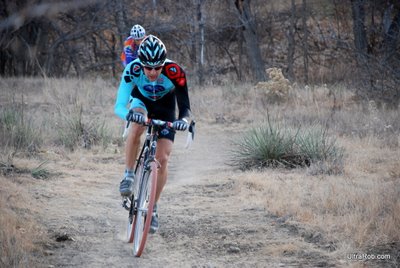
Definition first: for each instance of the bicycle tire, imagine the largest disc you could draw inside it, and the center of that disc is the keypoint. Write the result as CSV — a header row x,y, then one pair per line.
x,y
130,231
145,206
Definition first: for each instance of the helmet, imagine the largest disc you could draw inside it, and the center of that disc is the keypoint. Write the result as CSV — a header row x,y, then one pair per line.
x,y
138,32
152,51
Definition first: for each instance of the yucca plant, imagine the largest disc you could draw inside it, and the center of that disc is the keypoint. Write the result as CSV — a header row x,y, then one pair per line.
x,y
280,145
40,172
315,144
320,150
267,145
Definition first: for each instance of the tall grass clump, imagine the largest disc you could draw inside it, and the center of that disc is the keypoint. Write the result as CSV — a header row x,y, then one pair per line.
x,y
74,130
17,131
280,145
262,146
80,116
320,151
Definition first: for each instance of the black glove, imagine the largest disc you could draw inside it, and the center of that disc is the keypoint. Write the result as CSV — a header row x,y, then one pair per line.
x,y
136,117
180,125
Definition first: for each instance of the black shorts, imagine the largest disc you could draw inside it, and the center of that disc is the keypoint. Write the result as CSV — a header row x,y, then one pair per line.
x,y
163,109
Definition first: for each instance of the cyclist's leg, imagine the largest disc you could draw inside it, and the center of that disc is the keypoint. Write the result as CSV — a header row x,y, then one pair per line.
x,y
164,148
131,150
154,220
135,132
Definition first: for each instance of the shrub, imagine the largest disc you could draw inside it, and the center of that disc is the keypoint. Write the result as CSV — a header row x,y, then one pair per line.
x,y
40,172
17,131
262,146
279,145
74,130
277,89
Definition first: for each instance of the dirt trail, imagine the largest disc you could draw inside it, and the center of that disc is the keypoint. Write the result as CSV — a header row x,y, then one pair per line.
x,y
204,222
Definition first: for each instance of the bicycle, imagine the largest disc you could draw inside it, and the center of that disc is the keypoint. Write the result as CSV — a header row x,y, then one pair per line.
x,y
141,203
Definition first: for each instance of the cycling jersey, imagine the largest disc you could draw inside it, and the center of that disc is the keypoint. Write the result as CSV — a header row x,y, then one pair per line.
x,y
130,51
159,97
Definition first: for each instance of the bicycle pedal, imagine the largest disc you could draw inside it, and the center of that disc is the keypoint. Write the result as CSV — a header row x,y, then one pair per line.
x,y
126,203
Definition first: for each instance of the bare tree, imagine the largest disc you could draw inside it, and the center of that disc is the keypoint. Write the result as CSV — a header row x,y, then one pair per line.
x,y
225,39
201,40
360,34
377,54
251,38
291,41
305,40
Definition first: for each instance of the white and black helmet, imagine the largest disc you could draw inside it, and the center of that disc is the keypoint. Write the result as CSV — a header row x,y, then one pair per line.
x,y
152,51
138,32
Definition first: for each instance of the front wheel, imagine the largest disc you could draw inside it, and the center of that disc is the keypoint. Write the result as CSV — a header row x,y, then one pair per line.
x,y
145,204
132,203
130,229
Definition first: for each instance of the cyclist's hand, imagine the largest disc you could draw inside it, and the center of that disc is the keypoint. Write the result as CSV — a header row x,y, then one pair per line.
x,y
136,117
180,125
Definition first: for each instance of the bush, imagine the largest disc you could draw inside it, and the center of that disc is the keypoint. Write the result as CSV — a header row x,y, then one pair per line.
x,y
18,132
278,145
74,130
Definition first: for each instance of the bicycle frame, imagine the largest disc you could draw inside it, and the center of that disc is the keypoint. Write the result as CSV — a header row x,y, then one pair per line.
x,y
144,187
141,203
148,151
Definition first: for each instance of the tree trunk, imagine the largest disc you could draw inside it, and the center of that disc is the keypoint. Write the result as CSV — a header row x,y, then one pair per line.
x,y
360,34
251,39
120,21
392,35
305,41
291,42
200,22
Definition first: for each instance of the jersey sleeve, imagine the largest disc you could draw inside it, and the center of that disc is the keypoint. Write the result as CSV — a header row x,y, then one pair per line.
x,y
178,77
123,58
127,83
127,53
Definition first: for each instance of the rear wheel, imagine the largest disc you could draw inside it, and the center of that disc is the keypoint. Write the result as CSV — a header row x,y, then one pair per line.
x,y
145,206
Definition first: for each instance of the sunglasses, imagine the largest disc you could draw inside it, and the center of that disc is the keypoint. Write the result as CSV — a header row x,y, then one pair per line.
x,y
148,68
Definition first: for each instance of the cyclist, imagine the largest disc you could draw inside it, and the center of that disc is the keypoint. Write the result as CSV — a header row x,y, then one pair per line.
x,y
156,85
131,44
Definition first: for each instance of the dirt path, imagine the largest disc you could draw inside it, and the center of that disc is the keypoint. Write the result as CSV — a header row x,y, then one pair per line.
x,y
204,222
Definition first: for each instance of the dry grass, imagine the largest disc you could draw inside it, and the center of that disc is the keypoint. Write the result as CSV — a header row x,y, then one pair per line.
x,y
47,104
358,211
21,237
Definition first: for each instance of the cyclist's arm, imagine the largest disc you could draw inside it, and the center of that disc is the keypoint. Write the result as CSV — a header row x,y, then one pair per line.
x,y
124,92
127,53
123,58
134,51
181,89
182,98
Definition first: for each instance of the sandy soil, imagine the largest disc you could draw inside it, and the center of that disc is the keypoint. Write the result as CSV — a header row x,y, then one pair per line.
x,y
205,220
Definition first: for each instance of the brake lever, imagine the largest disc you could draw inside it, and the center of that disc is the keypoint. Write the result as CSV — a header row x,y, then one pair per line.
x,y
190,136
126,130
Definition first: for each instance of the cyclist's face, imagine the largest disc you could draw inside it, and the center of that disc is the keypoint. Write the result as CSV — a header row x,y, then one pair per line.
x,y
138,41
152,73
